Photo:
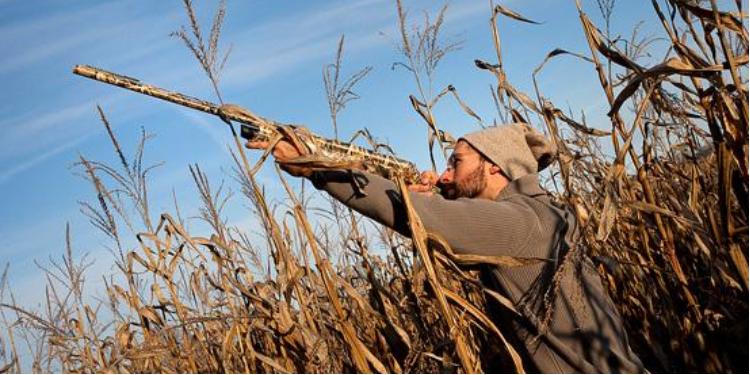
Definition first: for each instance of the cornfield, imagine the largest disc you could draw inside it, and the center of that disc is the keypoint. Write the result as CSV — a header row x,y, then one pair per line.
x,y
664,217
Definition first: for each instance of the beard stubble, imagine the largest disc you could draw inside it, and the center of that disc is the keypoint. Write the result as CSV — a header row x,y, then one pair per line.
x,y
470,187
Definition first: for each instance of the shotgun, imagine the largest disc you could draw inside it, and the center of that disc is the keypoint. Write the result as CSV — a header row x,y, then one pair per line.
x,y
253,127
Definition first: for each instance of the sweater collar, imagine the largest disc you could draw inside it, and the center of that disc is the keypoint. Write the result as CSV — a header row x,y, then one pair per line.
x,y
527,185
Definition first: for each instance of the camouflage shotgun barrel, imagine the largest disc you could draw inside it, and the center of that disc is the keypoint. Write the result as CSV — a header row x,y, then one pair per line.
x,y
257,128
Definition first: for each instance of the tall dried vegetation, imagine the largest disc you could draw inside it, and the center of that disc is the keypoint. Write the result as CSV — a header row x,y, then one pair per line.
x,y
661,192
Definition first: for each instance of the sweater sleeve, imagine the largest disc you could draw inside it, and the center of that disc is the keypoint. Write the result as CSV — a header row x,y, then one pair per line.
x,y
470,226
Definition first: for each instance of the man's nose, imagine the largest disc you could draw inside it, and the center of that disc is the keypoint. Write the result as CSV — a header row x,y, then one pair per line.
x,y
446,177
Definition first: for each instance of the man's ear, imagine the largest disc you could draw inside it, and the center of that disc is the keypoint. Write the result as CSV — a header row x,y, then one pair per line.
x,y
494,169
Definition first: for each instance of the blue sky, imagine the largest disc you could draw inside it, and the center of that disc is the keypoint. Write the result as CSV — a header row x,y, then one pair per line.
x,y
48,115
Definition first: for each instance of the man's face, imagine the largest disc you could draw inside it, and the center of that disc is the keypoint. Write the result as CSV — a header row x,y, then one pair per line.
x,y
465,176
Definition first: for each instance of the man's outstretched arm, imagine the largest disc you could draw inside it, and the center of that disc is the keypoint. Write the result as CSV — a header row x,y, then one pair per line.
x,y
475,226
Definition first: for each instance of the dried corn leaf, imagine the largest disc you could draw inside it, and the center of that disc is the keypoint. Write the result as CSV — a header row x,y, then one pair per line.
x,y
730,20
487,323
578,126
603,47
607,218
671,66
511,14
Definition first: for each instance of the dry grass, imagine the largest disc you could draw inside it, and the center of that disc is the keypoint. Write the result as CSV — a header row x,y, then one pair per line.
x,y
664,217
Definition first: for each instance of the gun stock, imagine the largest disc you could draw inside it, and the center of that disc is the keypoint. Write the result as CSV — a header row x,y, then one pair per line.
x,y
254,127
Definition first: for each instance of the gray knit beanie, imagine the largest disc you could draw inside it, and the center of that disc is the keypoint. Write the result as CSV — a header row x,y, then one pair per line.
x,y
516,148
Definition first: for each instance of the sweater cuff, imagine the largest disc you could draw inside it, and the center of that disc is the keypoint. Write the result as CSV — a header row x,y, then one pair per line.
x,y
318,179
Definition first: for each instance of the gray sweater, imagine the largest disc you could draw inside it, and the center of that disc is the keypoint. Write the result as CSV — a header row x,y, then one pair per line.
x,y
585,332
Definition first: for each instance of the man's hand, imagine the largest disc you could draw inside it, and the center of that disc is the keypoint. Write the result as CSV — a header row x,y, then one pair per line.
x,y
427,181
283,152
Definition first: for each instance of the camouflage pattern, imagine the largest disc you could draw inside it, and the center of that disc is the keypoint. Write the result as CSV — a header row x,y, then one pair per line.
x,y
319,152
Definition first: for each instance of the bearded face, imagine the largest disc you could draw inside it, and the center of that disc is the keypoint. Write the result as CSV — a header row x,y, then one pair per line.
x,y
468,187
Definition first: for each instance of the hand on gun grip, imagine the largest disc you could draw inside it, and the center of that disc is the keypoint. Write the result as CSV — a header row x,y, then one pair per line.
x,y
426,183
283,151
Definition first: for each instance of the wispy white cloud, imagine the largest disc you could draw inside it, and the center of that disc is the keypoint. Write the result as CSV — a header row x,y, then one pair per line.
x,y
303,25
24,128
45,136
285,42
315,37
7,174
35,138
33,26
34,135
47,48
39,40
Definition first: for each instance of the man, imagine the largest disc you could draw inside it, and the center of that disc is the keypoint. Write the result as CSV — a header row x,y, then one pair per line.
x,y
490,203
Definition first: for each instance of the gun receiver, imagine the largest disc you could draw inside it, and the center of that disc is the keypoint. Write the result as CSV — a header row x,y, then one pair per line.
x,y
253,127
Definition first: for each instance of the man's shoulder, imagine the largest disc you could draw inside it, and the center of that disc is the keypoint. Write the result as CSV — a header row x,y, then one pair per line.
x,y
542,204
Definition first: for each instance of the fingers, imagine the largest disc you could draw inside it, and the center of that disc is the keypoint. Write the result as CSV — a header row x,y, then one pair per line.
x,y
283,150
428,178
257,145
426,183
419,188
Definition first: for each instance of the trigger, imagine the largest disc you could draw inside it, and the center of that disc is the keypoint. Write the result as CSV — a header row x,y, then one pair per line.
x,y
248,132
